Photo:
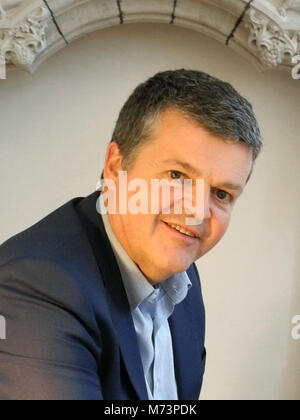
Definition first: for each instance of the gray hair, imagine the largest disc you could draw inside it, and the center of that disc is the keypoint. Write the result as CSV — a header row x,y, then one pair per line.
x,y
211,102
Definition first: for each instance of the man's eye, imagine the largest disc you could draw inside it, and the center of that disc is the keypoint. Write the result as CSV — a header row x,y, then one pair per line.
x,y
223,195
175,175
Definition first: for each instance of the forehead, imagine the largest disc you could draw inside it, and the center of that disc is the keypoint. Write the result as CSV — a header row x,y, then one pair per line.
x,y
177,138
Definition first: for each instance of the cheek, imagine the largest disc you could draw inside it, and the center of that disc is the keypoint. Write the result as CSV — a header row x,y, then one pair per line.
x,y
220,224
142,226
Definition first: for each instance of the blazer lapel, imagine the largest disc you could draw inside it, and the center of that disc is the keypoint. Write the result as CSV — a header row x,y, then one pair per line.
x,y
117,298
124,326
187,346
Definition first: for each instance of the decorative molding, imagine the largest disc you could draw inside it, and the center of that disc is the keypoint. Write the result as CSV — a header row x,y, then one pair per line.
x,y
20,44
266,32
274,45
289,7
7,5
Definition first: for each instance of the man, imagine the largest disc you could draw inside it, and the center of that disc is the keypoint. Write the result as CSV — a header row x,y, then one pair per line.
x,y
103,304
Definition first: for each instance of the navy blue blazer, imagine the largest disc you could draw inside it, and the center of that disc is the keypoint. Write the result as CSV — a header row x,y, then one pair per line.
x,y
69,330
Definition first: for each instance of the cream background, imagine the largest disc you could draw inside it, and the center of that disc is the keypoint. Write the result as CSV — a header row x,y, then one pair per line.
x,y
55,126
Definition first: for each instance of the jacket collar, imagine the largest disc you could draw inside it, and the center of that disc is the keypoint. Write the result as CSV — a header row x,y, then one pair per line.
x,y
116,294
187,346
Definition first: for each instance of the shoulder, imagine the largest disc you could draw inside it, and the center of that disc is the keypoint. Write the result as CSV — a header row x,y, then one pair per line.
x,y
42,238
52,259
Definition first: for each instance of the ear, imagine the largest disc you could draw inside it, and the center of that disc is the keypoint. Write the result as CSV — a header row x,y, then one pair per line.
x,y
113,161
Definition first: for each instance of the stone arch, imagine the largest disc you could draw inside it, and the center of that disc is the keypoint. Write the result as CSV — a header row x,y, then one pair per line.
x,y
263,31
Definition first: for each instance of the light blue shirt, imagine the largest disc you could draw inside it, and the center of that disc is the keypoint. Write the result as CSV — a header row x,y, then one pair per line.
x,y
150,309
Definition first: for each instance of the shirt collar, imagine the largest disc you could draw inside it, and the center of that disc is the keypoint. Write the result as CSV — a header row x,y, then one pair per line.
x,y
177,286
136,285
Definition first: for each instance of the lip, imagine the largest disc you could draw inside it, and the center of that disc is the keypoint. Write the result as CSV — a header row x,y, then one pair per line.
x,y
179,234
185,228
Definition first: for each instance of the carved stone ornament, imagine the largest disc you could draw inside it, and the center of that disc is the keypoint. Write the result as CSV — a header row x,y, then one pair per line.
x,y
20,44
289,7
266,32
274,45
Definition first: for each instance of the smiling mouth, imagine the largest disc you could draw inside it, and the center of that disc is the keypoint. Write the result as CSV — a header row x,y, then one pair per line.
x,y
180,231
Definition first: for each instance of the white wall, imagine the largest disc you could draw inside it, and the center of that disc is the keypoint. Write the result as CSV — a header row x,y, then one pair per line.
x,y
55,126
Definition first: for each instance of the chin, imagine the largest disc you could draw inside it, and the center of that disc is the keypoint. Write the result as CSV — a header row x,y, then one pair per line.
x,y
176,266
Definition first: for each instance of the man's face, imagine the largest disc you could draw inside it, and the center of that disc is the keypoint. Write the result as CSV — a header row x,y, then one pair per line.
x,y
158,249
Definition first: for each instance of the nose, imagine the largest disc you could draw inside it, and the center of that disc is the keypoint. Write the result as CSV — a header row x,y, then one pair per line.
x,y
201,203
206,202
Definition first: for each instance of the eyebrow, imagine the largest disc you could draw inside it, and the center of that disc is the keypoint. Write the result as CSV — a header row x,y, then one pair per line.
x,y
189,168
